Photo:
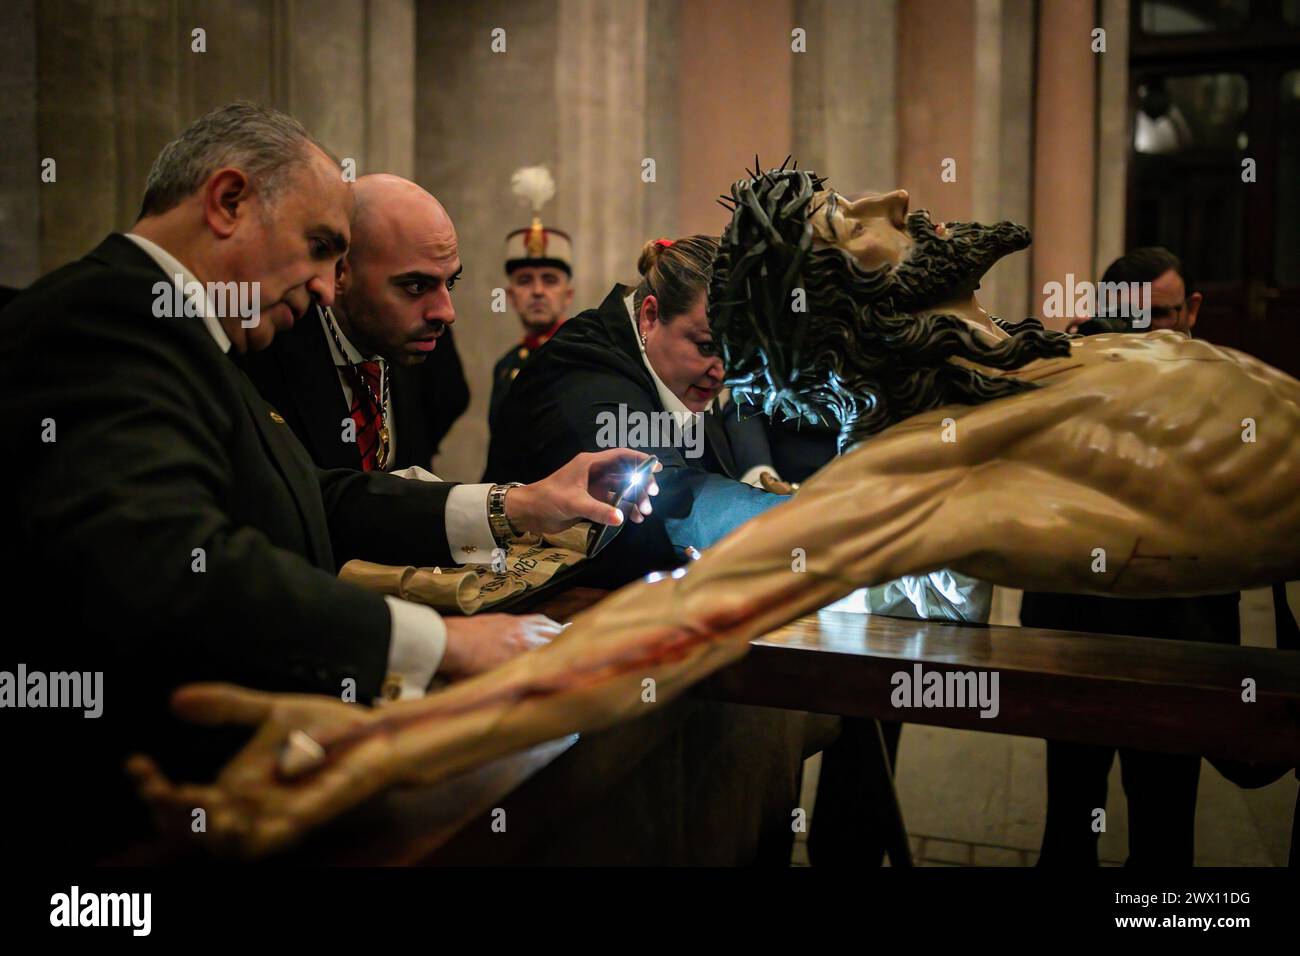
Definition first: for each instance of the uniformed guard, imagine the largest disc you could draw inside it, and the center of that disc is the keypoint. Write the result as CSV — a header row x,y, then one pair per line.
x,y
539,272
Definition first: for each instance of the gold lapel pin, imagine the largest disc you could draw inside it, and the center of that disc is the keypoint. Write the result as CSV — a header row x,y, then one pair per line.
x,y
277,417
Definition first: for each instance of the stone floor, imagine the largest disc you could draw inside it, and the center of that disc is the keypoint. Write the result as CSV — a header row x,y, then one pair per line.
x,y
976,799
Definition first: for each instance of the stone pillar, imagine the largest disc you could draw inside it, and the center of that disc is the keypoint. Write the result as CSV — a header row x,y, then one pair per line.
x,y
845,90
113,84
76,127
1002,141
325,73
602,94
1114,134
241,57
586,87
664,136
479,116
20,160
734,89
389,112
936,79
145,56
1065,140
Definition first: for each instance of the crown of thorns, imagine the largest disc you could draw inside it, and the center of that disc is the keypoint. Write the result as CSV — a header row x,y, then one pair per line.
x,y
769,238
844,350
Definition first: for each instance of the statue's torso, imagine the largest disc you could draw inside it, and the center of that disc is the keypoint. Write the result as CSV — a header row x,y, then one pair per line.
x,y
1180,436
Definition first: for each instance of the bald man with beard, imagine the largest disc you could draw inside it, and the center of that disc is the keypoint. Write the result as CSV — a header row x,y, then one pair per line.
x,y
346,379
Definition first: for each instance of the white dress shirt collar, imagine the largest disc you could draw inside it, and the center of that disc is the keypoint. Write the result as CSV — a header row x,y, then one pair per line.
x,y
350,354
177,272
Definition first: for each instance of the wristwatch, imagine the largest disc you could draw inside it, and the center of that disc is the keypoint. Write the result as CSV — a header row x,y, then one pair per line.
x,y
502,530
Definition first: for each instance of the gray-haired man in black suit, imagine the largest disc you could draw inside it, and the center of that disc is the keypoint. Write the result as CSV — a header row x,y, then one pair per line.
x,y
165,525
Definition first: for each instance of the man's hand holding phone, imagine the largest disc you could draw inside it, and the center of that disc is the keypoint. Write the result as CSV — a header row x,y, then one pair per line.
x,y
604,487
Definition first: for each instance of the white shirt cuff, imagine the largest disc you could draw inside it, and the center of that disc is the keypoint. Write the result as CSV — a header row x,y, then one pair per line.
x,y
469,536
751,477
415,473
417,641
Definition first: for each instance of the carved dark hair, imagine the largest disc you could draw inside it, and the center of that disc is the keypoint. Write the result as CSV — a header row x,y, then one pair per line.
x,y
855,350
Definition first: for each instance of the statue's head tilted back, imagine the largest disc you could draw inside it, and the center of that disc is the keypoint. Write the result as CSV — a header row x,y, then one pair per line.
x,y
821,306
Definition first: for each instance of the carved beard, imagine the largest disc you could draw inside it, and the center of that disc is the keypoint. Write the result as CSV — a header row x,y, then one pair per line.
x,y
865,348
942,269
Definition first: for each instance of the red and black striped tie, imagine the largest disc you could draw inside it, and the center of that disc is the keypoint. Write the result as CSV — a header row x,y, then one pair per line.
x,y
365,412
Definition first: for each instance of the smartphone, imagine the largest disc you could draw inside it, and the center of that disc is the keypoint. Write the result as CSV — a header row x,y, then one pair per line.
x,y
638,478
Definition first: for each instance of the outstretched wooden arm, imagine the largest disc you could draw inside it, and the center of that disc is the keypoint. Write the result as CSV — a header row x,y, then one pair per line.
x,y
1006,503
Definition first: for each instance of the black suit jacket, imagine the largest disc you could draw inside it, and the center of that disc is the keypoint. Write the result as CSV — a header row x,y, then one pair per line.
x,y
593,365
297,376
800,450
505,370
795,449
444,389
173,531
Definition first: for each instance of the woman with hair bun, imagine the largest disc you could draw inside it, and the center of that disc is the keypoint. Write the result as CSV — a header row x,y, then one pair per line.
x,y
639,371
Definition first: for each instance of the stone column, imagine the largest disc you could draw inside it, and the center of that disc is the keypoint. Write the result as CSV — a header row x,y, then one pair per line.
x,y
1114,134
845,91
324,66
389,112
1065,144
479,116
664,136
936,79
602,89
1002,142
241,57
20,160
734,89
76,127
113,84
586,87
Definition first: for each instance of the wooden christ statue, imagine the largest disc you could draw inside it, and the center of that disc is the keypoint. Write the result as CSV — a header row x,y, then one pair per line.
x,y
1117,464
